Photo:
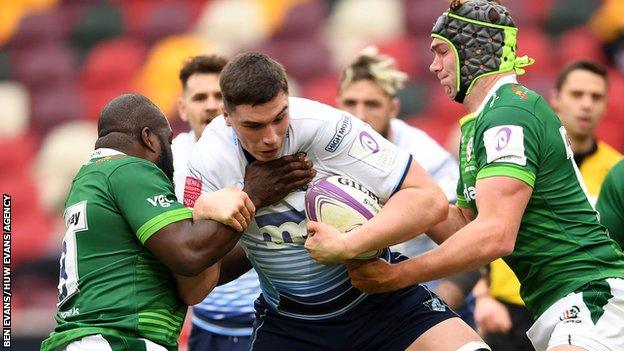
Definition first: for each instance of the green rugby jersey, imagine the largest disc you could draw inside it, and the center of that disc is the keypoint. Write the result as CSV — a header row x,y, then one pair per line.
x,y
109,282
611,203
560,244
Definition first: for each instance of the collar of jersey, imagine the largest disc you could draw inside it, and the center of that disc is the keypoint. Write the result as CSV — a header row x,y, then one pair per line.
x,y
466,118
509,79
104,151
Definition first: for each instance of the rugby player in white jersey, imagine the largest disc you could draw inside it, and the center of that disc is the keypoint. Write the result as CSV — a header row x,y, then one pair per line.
x,y
223,320
305,305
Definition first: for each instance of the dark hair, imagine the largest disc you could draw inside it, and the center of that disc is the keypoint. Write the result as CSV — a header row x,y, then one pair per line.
x,y
208,64
584,65
123,118
251,78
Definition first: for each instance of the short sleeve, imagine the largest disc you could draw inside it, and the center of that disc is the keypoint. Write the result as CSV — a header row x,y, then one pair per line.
x,y
461,198
198,180
507,144
610,203
145,198
350,147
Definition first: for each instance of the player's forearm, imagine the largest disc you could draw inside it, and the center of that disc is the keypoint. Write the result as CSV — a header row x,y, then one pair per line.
x,y
475,245
408,212
192,290
453,222
233,265
208,242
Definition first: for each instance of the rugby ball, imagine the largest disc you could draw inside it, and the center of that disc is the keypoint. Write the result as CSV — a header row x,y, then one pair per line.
x,y
343,203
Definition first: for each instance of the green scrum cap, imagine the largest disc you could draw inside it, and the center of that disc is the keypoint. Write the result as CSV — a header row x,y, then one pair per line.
x,y
483,36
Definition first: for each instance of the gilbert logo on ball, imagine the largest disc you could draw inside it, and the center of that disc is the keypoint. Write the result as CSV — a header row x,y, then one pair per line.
x,y
343,203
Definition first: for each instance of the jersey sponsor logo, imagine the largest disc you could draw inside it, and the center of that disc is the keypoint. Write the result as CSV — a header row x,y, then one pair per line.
x,y
74,311
375,154
519,92
469,149
75,217
571,315
283,227
192,190
470,193
159,200
342,129
435,305
494,98
566,142
505,144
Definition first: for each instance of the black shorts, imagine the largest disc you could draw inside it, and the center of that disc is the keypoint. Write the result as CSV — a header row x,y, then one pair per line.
x,y
389,321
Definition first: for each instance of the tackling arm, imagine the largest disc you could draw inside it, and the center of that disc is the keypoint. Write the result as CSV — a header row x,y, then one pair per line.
x,y
501,202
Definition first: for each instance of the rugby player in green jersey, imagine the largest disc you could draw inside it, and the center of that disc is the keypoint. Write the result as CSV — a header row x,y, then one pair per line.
x,y
520,196
133,257
611,203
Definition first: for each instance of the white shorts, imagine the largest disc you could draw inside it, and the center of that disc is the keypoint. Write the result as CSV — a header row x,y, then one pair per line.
x,y
595,322
98,343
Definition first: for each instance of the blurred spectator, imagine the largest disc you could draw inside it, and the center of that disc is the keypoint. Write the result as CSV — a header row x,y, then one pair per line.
x,y
14,112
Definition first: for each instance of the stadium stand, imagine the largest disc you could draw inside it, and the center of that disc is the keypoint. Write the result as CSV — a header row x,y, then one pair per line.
x,y
62,60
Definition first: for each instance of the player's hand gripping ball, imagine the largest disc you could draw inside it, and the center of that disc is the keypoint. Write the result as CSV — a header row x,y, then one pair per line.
x,y
342,203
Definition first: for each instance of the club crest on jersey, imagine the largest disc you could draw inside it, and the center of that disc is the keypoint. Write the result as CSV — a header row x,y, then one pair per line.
x,y
435,304
571,315
519,92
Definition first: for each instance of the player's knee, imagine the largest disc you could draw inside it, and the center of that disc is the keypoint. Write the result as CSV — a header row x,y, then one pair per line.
x,y
475,346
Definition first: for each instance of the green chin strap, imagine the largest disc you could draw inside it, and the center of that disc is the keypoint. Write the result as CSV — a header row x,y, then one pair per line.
x,y
481,49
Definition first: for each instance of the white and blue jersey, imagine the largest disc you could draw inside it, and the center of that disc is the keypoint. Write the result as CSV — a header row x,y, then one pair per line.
x,y
228,309
292,283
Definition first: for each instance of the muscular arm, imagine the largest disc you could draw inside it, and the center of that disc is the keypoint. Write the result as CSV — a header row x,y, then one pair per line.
x,y
188,247
501,202
192,290
417,206
233,265
457,219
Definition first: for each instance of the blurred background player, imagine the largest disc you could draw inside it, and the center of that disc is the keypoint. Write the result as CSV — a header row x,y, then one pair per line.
x,y
198,105
579,98
610,203
223,321
367,90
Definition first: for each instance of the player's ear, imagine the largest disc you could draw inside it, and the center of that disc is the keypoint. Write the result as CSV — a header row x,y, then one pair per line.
x,y
181,107
554,99
226,115
395,108
149,139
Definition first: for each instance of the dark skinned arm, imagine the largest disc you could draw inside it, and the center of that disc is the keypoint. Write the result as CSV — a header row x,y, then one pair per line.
x,y
233,265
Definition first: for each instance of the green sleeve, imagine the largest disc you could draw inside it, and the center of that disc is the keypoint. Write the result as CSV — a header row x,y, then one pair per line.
x,y
461,199
610,203
507,143
145,197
